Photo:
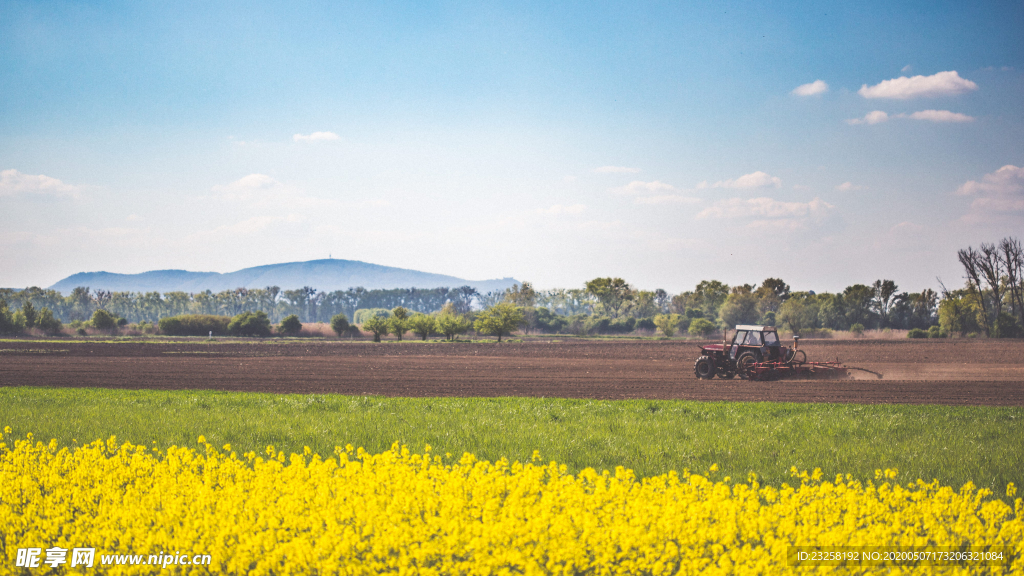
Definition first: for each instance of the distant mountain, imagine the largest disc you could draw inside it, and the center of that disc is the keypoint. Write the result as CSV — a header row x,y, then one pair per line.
x,y
324,275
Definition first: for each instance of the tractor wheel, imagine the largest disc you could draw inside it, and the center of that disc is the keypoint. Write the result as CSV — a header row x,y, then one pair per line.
x,y
704,368
745,365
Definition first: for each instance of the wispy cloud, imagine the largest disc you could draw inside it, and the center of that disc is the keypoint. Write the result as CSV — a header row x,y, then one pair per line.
x,y
244,188
998,196
14,183
616,170
941,116
667,199
849,187
876,117
904,88
640,187
768,212
811,89
315,136
750,181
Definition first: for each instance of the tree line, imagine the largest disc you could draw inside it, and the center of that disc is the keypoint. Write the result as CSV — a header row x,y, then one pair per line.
x,y
991,302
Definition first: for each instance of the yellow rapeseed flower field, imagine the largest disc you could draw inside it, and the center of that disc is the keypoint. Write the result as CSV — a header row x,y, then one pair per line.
x,y
404,513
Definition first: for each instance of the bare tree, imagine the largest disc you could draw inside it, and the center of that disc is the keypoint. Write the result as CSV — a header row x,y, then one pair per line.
x,y
971,262
1013,261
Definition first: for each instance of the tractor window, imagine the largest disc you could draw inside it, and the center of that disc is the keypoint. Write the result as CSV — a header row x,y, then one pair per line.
x,y
771,339
753,339
740,336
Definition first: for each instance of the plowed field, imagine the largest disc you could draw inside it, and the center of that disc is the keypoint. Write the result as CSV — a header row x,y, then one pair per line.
x,y
979,372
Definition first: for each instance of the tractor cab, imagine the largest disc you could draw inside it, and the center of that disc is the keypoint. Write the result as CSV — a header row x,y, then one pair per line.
x,y
761,341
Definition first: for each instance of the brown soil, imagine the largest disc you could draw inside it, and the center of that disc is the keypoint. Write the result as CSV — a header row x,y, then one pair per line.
x,y
975,372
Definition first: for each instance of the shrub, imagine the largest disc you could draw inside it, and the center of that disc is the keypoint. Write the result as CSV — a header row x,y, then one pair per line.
x,y
936,332
339,323
701,327
917,333
646,324
1005,326
291,325
596,325
195,325
621,325
667,323
103,320
250,324
364,314
81,332
857,329
48,323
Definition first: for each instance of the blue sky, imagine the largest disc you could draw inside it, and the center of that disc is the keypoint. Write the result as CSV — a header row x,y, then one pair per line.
x,y
824,143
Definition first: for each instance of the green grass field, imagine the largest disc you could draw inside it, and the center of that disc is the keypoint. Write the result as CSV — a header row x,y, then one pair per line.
x,y
952,444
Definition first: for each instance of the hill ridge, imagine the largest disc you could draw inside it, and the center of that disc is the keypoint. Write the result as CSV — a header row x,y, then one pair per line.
x,y
324,274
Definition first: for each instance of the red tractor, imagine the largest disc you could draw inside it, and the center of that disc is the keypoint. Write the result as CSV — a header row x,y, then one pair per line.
x,y
756,353
750,345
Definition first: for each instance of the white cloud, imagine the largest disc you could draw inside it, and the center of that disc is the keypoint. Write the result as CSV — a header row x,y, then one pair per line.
x,y
903,88
616,170
1000,194
906,68
248,187
667,199
746,182
812,89
876,117
849,187
639,187
768,212
559,209
940,116
315,136
14,183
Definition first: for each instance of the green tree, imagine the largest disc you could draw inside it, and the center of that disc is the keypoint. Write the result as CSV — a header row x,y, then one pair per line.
x,y
398,324
48,323
799,312
450,323
500,319
291,325
701,327
959,313
522,295
30,314
423,325
740,307
103,320
8,325
339,323
379,325
709,296
667,323
612,293
250,324
884,292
